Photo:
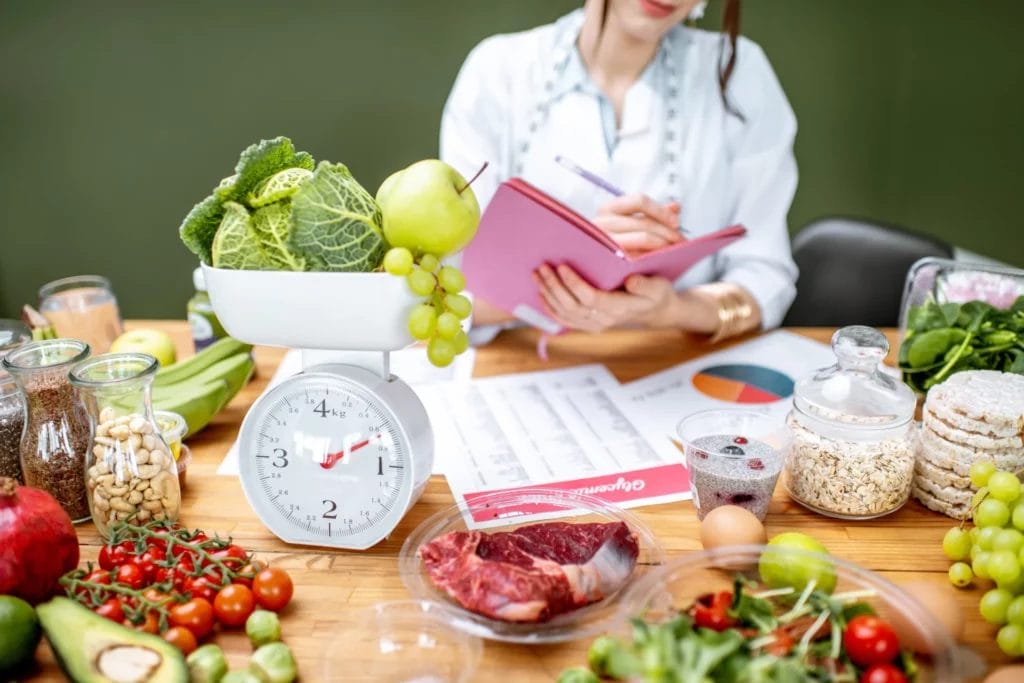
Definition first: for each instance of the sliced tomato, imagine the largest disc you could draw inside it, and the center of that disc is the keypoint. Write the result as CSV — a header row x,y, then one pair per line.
x,y
712,611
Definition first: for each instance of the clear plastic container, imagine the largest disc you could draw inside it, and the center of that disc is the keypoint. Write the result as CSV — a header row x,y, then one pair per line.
x,y
173,428
734,458
945,281
13,334
131,474
502,512
672,588
405,641
56,435
852,436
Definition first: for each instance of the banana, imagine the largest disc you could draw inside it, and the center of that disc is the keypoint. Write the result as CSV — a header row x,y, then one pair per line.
x,y
235,370
183,370
197,403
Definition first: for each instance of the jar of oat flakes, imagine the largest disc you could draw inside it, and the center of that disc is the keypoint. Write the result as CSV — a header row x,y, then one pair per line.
x,y
56,433
852,447
130,474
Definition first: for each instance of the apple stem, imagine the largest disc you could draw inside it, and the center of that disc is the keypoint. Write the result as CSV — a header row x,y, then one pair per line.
x,y
470,181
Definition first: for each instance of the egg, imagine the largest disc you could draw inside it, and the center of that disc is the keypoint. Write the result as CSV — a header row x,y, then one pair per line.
x,y
1006,674
939,599
731,525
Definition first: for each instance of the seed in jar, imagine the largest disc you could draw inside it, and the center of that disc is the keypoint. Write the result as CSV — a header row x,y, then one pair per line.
x,y
123,420
120,432
149,442
140,425
107,415
142,456
135,497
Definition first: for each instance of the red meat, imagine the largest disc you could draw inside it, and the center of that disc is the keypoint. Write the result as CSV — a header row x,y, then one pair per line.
x,y
533,573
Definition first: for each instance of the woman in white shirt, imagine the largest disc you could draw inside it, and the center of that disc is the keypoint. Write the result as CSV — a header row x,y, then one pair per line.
x,y
692,125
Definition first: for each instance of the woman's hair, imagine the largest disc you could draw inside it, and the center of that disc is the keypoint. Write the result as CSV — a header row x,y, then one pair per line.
x,y
730,33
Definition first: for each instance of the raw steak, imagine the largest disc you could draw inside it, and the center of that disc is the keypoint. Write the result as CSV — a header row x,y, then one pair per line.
x,y
533,573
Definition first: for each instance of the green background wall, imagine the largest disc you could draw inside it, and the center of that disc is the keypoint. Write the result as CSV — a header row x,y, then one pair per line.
x,y
115,117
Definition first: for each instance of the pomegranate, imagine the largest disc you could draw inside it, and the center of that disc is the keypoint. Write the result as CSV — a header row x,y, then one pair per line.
x,y
37,542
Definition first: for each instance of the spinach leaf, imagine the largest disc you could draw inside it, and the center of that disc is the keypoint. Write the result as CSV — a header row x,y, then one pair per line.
x,y
932,345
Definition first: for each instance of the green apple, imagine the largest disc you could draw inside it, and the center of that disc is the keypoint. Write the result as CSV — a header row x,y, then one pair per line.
x,y
154,342
428,208
787,562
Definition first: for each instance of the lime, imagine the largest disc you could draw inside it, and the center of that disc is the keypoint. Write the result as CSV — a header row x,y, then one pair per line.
x,y
19,632
786,563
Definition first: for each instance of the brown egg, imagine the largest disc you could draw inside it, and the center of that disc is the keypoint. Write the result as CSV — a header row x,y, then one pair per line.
x,y
938,597
1007,674
731,525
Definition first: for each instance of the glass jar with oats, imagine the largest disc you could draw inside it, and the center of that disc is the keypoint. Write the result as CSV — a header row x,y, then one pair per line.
x,y
853,439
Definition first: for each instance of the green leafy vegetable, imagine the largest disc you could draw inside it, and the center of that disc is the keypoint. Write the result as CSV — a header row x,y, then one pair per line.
x,y
272,227
942,339
236,244
336,224
260,161
200,226
281,185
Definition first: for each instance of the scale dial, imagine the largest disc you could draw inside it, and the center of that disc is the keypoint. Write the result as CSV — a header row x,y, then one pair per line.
x,y
335,456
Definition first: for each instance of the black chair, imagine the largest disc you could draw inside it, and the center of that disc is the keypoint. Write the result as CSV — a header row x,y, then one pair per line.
x,y
852,271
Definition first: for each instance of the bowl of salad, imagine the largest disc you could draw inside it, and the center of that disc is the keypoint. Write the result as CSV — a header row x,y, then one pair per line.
x,y
769,613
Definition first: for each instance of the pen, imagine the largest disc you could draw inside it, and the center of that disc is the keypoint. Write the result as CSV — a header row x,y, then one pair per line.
x,y
596,180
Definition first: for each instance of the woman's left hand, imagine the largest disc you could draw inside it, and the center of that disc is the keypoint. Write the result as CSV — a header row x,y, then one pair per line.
x,y
575,304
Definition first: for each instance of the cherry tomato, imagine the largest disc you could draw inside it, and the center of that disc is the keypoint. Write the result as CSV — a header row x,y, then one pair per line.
x,y
149,562
201,587
247,573
112,610
196,615
112,557
181,638
869,640
712,611
234,604
272,588
101,576
883,673
233,556
131,575
151,624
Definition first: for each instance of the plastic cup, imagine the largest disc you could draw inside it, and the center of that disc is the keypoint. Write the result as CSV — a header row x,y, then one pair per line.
x,y
734,457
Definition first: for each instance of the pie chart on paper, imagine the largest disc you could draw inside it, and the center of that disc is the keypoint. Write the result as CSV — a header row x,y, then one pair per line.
x,y
741,383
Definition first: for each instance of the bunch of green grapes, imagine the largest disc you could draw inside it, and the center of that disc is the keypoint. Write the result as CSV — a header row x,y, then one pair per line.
x,y
994,550
438,320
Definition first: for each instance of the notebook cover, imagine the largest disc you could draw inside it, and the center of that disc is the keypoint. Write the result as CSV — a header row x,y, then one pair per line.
x,y
524,228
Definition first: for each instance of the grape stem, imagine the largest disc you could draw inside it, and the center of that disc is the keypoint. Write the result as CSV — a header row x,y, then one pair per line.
x,y
470,181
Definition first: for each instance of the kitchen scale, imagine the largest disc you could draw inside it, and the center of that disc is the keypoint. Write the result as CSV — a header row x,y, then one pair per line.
x,y
337,454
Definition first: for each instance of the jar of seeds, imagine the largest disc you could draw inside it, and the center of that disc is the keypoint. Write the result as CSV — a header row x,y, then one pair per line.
x,y
130,473
852,448
56,434
13,334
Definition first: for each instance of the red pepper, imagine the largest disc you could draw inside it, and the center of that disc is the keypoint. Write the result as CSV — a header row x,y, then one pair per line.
x,y
712,611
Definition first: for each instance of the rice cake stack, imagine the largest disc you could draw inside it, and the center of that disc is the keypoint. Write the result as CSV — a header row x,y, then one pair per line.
x,y
973,415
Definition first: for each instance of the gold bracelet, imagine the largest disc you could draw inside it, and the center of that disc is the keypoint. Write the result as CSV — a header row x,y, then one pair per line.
x,y
735,311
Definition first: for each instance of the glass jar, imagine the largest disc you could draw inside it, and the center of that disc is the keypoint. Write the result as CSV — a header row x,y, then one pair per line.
x,y
130,472
12,404
56,434
83,307
202,319
853,439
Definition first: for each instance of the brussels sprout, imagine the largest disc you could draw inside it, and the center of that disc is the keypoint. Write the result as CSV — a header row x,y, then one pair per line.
x,y
273,663
263,627
207,665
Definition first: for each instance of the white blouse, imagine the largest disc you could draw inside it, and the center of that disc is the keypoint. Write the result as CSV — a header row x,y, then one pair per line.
x,y
522,99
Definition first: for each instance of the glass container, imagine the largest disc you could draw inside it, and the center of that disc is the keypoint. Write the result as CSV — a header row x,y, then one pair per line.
x,y
852,436
56,435
13,334
83,307
202,319
733,457
131,474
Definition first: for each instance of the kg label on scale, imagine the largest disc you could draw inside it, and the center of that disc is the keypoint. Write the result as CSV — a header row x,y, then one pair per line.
x,y
326,462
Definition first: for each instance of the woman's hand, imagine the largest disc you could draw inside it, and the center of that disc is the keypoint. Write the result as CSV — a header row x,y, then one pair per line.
x,y
575,304
638,223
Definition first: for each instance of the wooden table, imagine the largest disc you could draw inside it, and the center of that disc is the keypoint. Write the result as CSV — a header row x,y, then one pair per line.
x,y
334,588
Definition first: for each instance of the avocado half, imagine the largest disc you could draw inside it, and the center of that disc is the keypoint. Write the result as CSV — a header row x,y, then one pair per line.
x,y
93,649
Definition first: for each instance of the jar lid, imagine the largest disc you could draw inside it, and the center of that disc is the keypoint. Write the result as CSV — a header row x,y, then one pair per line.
x,y
199,280
855,392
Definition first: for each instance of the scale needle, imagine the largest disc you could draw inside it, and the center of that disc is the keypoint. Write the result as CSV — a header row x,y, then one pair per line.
x,y
331,459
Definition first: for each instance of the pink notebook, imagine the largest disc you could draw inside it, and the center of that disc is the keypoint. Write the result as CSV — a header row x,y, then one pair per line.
x,y
524,228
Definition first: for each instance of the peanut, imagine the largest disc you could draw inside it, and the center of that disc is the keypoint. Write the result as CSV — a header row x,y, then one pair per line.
x,y
143,515
120,432
142,456
149,442
151,505
107,415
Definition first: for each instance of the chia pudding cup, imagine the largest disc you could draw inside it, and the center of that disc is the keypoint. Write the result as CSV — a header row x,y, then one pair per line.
x,y
734,457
